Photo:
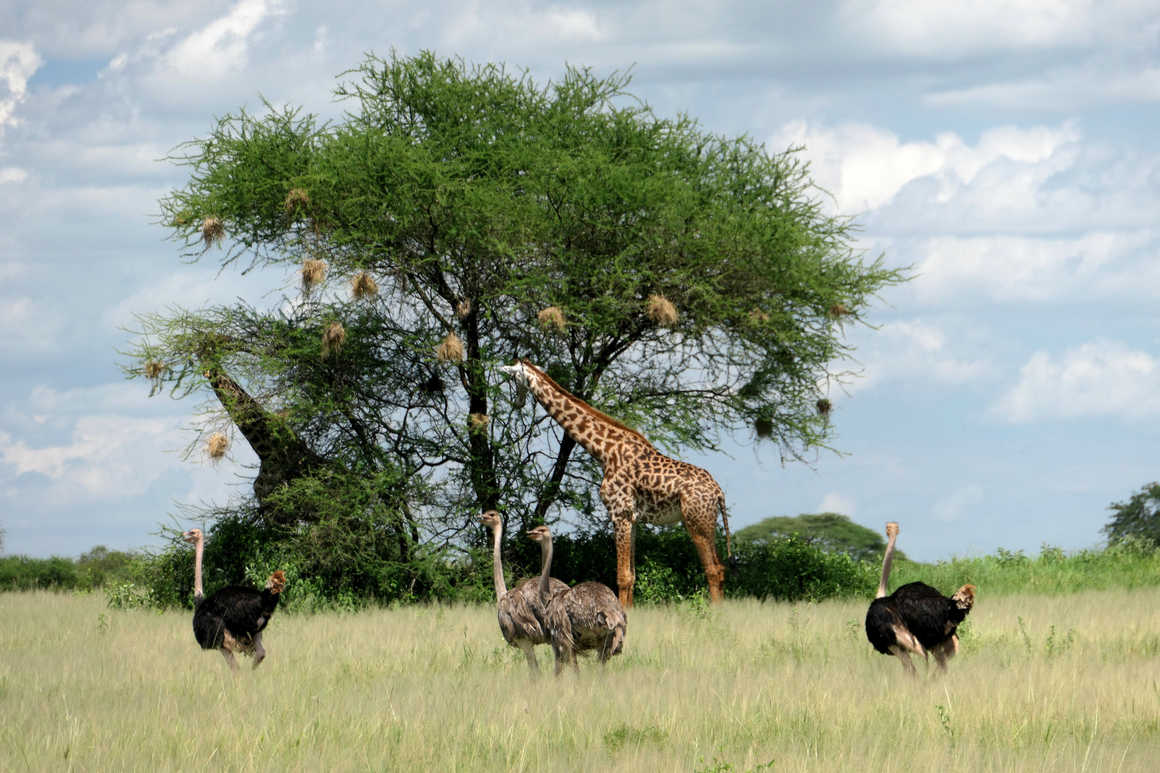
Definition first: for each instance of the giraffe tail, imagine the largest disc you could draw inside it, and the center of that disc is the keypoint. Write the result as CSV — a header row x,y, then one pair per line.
x,y
725,521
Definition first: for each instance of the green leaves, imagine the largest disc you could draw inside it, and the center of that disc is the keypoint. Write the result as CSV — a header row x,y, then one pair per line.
x,y
475,199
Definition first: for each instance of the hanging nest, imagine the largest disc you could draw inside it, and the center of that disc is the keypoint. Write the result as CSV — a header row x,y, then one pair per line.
x,y
333,338
363,286
824,407
153,369
551,320
432,385
757,317
313,272
763,427
212,231
463,308
838,310
661,310
217,445
450,349
477,422
297,200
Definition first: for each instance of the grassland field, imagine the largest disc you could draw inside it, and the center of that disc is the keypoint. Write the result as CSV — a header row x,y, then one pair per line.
x,y
1042,682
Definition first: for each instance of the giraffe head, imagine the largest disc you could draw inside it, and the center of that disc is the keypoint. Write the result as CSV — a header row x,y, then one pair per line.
x,y
192,536
519,371
521,376
490,519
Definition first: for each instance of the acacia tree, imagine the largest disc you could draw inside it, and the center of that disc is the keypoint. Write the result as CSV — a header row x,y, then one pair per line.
x,y
1138,518
686,283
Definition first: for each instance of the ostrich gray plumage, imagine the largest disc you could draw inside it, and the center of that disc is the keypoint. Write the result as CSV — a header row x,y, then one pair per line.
x,y
585,617
916,618
520,611
233,618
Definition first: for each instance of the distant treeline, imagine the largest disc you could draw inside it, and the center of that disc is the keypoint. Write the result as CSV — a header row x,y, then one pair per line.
x,y
780,568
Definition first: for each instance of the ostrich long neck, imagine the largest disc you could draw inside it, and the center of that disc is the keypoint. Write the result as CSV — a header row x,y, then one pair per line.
x,y
886,560
198,550
497,561
545,571
596,431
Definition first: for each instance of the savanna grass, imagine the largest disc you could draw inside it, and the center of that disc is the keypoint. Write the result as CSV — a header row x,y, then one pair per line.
x,y
1056,683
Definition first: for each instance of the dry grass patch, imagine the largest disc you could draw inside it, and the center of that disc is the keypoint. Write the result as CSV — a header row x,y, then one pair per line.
x,y
1044,683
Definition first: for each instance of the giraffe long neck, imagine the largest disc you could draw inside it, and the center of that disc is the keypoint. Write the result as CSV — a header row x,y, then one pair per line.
x,y
886,561
497,562
596,431
198,551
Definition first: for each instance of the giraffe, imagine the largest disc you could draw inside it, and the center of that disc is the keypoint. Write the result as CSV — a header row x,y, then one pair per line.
x,y
640,483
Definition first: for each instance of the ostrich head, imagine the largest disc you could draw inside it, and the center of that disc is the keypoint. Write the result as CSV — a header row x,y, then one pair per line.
x,y
540,534
490,519
964,597
892,529
192,536
277,582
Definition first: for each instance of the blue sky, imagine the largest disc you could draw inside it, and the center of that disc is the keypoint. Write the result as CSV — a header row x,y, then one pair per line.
x,y
1006,151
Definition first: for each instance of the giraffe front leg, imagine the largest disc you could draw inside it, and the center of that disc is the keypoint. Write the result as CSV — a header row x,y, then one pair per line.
x,y
625,566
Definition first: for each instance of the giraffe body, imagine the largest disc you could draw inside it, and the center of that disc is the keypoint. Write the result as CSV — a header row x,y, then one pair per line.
x,y
640,483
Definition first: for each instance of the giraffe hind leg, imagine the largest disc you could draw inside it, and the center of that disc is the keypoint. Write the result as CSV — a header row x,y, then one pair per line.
x,y
704,535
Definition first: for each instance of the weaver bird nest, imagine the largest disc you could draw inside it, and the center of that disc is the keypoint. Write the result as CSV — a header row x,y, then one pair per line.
x,y
313,272
333,337
661,310
551,320
217,445
450,349
212,230
363,286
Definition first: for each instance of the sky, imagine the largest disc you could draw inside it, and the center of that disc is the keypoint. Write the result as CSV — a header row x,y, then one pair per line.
x,y
1007,152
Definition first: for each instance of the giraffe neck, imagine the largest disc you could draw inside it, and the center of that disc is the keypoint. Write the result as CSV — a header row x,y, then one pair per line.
x,y
596,431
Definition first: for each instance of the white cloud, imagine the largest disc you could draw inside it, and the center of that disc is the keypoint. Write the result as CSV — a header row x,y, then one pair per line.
x,y
958,504
221,47
1064,90
93,443
916,351
1102,378
18,61
864,166
834,502
950,30
12,174
30,326
1017,268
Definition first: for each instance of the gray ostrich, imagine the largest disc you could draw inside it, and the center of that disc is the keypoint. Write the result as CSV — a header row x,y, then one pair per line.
x,y
520,610
585,617
233,618
916,618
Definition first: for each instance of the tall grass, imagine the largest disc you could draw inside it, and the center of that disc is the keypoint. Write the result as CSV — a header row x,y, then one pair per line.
x,y
1043,682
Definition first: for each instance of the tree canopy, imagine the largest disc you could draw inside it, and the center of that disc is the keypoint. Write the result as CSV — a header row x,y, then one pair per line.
x,y
458,216
832,532
1138,518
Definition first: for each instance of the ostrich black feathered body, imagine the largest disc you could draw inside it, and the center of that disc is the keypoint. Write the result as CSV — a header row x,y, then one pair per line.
x,y
232,617
929,616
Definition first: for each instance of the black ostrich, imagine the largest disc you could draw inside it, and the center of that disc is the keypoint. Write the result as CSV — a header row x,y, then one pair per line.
x,y
232,620
916,618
